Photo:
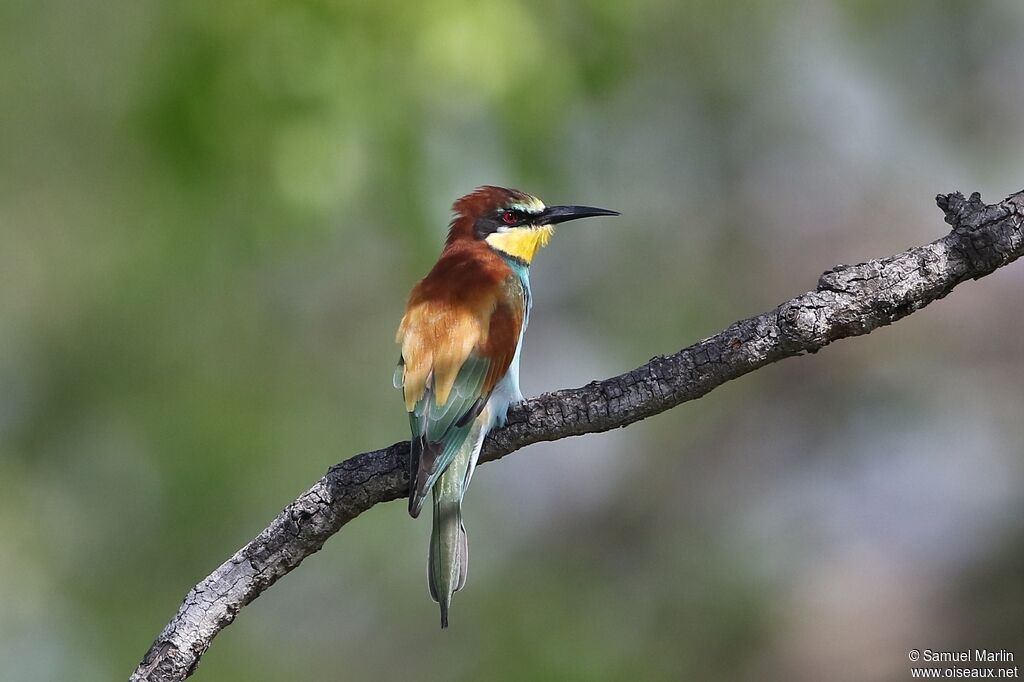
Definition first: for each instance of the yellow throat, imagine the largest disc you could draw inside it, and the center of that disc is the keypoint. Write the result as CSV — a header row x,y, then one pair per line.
x,y
522,242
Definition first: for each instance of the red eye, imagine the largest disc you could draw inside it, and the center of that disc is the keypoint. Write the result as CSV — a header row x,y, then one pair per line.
x,y
510,217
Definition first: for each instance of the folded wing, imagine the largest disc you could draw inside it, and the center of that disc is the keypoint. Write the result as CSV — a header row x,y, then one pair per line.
x,y
452,358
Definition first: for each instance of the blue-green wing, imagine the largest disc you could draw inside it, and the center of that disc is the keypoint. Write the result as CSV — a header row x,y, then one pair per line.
x,y
439,430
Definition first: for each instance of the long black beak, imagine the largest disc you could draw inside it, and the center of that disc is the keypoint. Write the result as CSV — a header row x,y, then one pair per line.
x,y
560,214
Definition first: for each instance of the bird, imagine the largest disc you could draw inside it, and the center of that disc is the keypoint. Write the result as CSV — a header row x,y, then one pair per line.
x,y
461,337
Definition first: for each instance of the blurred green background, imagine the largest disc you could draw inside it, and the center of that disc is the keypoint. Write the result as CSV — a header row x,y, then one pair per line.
x,y
211,214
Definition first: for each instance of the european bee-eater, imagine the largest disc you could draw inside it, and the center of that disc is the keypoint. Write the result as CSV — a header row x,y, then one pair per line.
x,y
461,337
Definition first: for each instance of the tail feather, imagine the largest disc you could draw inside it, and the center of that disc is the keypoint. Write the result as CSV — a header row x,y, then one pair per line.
x,y
463,555
448,565
449,551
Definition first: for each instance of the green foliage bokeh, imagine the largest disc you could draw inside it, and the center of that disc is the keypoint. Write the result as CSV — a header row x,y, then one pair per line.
x,y
211,213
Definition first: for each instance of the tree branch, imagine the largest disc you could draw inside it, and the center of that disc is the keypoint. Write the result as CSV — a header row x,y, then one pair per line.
x,y
848,301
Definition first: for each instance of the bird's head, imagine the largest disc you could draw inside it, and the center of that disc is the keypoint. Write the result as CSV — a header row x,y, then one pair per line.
x,y
510,221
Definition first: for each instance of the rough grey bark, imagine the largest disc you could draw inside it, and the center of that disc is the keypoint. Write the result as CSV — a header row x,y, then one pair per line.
x,y
849,300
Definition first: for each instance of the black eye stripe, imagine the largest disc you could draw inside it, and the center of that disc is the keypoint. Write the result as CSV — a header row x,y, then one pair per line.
x,y
521,215
489,224
486,225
